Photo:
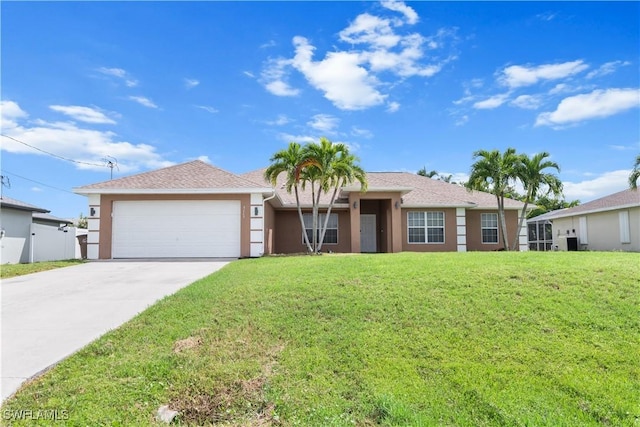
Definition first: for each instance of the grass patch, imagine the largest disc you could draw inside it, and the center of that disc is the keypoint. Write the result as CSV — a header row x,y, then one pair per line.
x,y
14,270
472,339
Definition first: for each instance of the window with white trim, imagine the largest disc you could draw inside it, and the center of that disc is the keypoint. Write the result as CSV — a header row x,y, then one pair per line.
x,y
331,235
625,229
425,227
489,226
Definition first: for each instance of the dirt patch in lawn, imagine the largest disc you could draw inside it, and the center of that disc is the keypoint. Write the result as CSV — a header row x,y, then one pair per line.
x,y
187,343
241,402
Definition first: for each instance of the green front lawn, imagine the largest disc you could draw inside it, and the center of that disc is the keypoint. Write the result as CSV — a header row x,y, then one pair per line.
x,y
13,270
470,339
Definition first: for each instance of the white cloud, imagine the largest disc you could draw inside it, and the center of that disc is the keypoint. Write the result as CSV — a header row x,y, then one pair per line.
x,y
492,102
273,77
597,104
207,108
324,123
462,120
281,88
83,114
67,139
607,68
392,107
528,102
546,16
369,29
410,15
302,139
519,75
279,121
204,158
378,58
362,133
405,62
603,185
249,74
270,43
339,75
143,101
191,83
119,73
10,112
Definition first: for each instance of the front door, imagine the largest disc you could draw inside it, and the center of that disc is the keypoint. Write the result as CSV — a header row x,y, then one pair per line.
x,y
368,233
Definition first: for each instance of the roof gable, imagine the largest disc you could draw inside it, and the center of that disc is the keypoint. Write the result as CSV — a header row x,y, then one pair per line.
x,y
622,199
194,176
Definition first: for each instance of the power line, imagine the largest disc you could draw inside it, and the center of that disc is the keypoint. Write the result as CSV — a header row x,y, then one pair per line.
x,y
37,182
51,154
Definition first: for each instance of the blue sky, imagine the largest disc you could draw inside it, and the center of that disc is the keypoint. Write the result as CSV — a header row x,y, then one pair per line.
x,y
405,85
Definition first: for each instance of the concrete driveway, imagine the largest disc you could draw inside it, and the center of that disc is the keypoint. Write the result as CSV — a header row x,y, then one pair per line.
x,y
50,315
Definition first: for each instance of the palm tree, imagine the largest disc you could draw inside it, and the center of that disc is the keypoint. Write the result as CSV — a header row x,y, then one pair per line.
x,y
495,171
635,174
288,162
423,172
530,172
328,167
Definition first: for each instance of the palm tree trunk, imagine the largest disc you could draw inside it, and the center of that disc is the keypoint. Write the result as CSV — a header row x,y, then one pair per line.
x,y
503,223
304,230
314,219
323,230
520,222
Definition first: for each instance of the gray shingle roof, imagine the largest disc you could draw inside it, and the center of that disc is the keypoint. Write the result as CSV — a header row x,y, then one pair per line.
x,y
195,175
50,218
418,191
17,204
621,199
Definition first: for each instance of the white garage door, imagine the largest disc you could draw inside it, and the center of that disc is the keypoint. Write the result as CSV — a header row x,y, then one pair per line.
x,y
176,229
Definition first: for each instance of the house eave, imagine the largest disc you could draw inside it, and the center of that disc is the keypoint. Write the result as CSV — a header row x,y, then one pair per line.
x,y
436,206
262,190
401,190
593,211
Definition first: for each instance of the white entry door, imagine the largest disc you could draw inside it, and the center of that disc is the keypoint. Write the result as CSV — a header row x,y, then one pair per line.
x,y
368,233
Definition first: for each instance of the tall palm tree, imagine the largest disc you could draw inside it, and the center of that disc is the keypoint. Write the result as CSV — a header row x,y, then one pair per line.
x,y
635,174
288,161
423,172
329,167
495,171
531,173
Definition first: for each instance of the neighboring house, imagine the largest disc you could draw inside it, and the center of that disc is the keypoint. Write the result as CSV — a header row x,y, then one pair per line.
x,y
29,234
197,210
16,218
611,223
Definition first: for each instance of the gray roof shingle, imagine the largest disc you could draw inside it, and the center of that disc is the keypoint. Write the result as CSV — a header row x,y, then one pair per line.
x,y
419,191
621,199
17,204
194,175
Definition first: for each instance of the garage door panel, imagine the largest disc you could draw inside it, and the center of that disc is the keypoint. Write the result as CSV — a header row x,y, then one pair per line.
x,y
176,229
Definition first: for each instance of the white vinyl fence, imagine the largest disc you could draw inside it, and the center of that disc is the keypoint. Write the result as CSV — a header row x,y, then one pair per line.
x,y
52,244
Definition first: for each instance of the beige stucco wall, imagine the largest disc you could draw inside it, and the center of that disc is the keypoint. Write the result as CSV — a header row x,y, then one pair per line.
x,y
288,239
450,233
474,231
603,230
106,209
